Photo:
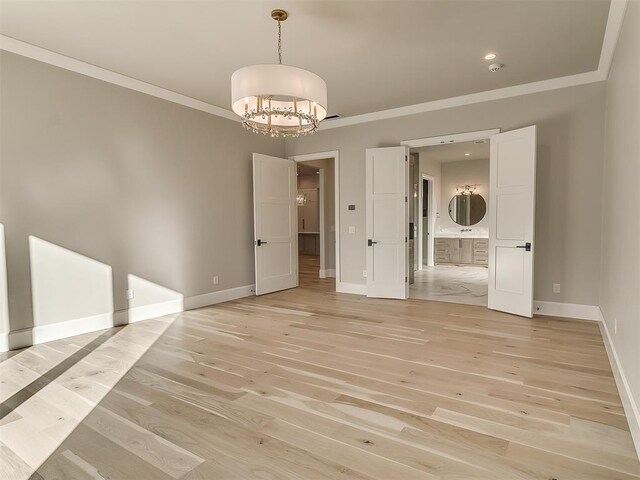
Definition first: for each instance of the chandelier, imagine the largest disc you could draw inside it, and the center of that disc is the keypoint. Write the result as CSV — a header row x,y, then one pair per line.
x,y
276,99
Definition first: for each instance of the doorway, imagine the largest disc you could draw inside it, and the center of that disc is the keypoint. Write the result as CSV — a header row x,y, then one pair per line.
x,y
315,205
449,189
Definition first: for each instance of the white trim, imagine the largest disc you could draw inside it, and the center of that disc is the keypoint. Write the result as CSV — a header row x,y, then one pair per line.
x,y
432,213
612,31
335,154
56,331
629,404
19,47
321,200
120,317
617,10
20,338
594,313
567,310
454,138
155,310
327,273
470,99
221,296
353,288
70,328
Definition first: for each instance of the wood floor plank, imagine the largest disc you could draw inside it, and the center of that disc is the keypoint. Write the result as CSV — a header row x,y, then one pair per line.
x,y
311,384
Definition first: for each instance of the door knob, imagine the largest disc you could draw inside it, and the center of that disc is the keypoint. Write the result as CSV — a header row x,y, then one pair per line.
x,y
260,242
371,243
526,246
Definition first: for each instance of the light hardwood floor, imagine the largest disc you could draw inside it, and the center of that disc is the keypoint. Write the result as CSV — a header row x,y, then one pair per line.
x,y
310,384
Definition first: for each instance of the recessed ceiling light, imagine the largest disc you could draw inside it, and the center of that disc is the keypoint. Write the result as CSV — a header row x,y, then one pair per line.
x,y
490,56
467,154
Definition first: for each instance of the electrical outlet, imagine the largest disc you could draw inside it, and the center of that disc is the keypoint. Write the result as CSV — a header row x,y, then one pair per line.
x,y
556,288
130,294
364,273
615,326
215,280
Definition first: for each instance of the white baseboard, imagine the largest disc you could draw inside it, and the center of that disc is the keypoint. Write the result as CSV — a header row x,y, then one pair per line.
x,y
328,273
629,403
145,312
55,331
353,288
212,298
20,338
567,310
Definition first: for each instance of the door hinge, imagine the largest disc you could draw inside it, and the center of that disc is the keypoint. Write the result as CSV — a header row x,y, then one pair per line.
x,y
405,240
406,199
406,279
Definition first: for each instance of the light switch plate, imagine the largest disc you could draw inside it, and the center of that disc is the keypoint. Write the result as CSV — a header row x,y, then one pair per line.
x,y
352,229
556,288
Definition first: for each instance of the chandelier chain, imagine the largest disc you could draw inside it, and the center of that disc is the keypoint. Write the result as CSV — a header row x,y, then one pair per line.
x,y
279,42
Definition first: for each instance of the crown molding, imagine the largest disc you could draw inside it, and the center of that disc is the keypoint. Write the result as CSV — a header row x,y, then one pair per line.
x,y
617,9
480,97
19,47
612,31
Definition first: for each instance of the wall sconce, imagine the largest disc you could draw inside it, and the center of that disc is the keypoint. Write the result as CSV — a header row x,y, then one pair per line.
x,y
301,198
467,189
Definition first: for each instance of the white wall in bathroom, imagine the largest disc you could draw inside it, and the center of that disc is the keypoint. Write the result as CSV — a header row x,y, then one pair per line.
x,y
466,172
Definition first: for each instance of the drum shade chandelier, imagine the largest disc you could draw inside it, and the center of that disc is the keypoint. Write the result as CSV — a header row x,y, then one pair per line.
x,y
276,99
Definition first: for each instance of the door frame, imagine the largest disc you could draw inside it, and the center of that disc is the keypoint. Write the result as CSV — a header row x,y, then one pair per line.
x,y
453,138
335,155
443,140
432,221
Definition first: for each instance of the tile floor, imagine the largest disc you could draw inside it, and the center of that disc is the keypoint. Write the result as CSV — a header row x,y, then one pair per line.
x,y
453,284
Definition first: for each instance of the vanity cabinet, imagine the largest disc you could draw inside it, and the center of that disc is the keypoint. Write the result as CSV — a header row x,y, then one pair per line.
x,y
461,251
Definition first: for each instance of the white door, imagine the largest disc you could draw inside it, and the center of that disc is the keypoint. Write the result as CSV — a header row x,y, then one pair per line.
x,y
387,180
512,201
275,223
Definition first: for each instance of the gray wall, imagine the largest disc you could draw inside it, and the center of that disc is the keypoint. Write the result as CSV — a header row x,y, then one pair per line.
x,y
569,195
620,280
147,187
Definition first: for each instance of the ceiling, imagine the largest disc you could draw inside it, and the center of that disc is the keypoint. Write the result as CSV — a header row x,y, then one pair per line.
x,y
307,169
455,152
374,55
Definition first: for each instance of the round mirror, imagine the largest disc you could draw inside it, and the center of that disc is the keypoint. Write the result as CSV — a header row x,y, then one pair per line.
x,y
467,209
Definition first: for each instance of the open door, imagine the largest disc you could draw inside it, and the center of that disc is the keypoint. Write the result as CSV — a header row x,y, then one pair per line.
x,y
275,223
387,219
512,200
